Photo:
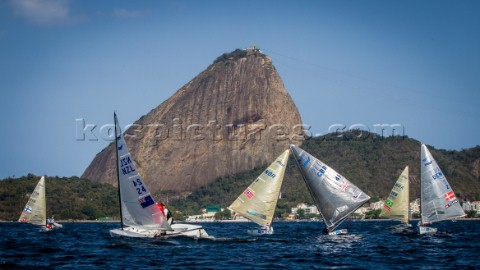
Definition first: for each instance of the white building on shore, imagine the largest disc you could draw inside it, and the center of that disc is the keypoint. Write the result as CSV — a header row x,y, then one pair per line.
x,y
471,206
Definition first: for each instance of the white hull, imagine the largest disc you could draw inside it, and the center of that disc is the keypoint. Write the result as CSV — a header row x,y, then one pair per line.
x,y
187,230
55,226
261,231
339,232
427,230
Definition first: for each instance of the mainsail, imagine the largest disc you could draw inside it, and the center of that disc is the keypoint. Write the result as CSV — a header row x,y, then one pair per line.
x,y
137,204
35,211
438,202
336,197
259,200
397,203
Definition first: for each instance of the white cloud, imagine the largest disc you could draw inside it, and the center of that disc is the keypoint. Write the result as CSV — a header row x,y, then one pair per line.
x,y
127,14
42,12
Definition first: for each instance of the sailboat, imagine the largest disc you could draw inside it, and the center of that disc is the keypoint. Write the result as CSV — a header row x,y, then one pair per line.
x,y
140,216
35,211
437,199
335,197
258,202
397,204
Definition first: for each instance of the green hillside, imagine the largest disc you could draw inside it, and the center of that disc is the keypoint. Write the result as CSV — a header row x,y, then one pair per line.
x,y
370,162
67,198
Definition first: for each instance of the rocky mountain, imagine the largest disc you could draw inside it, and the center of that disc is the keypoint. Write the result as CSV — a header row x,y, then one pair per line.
x,y
234,116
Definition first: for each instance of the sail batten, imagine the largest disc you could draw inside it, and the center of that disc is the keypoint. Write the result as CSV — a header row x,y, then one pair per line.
x,y
259,200
335,196
397,204
438,201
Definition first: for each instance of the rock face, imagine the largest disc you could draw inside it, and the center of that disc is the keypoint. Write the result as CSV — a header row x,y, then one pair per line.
x,y
232,117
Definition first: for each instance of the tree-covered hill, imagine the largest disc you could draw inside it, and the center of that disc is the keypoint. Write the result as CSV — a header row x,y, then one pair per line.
x,y
67,198
369,161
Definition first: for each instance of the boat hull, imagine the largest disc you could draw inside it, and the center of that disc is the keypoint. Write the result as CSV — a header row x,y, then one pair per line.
x,y
261,231
339,232
53,226
186,230
427,230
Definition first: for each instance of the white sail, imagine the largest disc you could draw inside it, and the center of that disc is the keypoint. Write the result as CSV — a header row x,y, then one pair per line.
x,y
35,211
336,197
259,200
438,202
397,204
137,204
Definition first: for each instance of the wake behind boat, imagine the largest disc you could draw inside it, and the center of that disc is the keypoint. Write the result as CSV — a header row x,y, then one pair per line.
x,y
336,197
259,200
437,199
35,211
139,214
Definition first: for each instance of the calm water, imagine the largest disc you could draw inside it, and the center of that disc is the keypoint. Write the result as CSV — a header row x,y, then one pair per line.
x,y
295,245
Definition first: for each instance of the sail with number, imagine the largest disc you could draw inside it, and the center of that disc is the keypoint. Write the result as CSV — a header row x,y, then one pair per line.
x,y
259,200
335,197
438,201
137,204
397,204
35,211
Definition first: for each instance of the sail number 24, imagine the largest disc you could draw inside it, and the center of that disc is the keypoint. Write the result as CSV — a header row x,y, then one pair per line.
x,y
139,186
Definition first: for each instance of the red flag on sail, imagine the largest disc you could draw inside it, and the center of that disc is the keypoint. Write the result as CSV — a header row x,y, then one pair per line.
x,y
249,193
449,196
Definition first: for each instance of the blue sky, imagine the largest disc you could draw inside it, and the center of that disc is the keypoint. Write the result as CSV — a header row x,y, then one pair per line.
x,y
414,63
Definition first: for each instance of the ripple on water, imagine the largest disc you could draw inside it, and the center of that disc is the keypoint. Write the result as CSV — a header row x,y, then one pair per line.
x,y
294,245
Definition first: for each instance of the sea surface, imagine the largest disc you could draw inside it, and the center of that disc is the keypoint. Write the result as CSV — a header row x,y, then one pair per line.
x,y
295,245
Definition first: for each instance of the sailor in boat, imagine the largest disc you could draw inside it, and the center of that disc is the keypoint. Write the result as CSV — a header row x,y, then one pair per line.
x,y
325,231
165,211
266,229
50,223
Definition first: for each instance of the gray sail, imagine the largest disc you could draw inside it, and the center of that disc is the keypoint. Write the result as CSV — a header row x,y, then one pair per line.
x,y
137,204
438,202
336,197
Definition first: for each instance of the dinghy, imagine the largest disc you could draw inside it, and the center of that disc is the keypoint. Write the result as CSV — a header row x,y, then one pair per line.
x,y
258,202
437,199
335,197
35,211
139,214
397,204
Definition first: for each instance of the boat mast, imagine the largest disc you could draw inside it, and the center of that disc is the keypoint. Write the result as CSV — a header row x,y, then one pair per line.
x,y
118,175
422,156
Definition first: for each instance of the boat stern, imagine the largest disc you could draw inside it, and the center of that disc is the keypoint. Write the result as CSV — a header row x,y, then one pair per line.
x,y
339,232
427,230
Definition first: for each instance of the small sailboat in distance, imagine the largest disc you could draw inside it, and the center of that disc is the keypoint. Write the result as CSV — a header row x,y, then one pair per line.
x,y
397,204
140,216
336,197
259,200
35,211
437,199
